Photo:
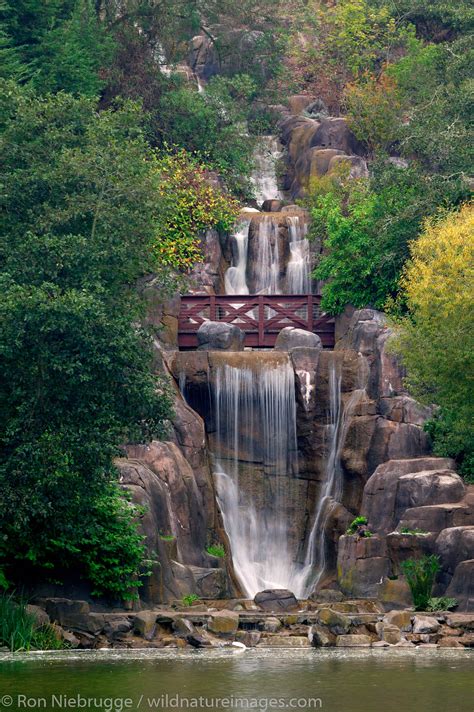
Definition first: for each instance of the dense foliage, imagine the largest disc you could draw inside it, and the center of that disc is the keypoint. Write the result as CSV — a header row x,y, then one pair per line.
x,y
104,49
367,226
188,205
76,383
89,209
436,336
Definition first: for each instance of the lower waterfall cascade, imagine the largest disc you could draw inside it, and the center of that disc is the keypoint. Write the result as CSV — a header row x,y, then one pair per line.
x,y
255,455
258,531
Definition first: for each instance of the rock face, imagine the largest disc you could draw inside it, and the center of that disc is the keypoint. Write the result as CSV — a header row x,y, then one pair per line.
x,y
173,481
315,147
399,485
362,565
219,336
178,521
206,61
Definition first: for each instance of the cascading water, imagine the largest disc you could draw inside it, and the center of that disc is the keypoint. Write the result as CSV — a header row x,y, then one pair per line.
x,y
268,258
255,455
331,491
264,177
235,277
298,270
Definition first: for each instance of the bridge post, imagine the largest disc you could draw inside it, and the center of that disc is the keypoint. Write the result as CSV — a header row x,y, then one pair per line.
x,y
310,312
212,307
261,321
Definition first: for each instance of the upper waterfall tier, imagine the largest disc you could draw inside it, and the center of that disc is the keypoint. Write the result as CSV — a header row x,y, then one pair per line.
x,y
264,178
270,255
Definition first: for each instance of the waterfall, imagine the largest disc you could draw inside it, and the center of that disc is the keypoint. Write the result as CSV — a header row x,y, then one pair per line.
x,y
255,456
235,277
331,491
264,177
268,258
298,271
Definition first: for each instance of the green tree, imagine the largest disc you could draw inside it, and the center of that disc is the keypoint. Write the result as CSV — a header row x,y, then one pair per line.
x,y
54,45
435,338
367,226
80,201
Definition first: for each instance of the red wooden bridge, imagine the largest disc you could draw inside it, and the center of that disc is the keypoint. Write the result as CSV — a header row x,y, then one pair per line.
x,y
261,317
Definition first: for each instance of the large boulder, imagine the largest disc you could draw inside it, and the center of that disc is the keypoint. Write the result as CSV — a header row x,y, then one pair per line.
x,y
223,622
219,336
428,487
353,166
462,585
298,103
291,338
366,331
362,564
436,517
74,615
453,546
320,160
206,277
401,484
276,600
335,133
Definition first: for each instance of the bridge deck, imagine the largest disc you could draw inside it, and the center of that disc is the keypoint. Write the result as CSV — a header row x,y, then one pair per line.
x,y
261,317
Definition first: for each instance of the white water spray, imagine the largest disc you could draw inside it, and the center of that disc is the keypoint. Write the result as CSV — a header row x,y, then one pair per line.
x,y
235,278
256,423
268,258
332,488
298,270
264,177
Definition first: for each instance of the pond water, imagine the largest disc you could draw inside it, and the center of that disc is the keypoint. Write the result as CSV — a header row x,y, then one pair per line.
x,y
334,681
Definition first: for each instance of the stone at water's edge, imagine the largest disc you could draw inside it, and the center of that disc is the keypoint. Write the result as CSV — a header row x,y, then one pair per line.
x,y
224,622
276,600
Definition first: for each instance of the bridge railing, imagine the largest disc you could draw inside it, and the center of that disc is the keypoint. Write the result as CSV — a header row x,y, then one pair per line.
x,y
261,317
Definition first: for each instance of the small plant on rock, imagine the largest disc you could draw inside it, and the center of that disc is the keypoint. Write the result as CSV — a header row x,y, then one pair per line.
x,y
216,550
190,599
420,574
359,526
412,532
167,537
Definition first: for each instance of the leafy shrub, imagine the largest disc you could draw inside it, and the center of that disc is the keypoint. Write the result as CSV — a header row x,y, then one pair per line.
x,y
375,111
189,203
216,550
190,599
421,574
444,603
20,631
